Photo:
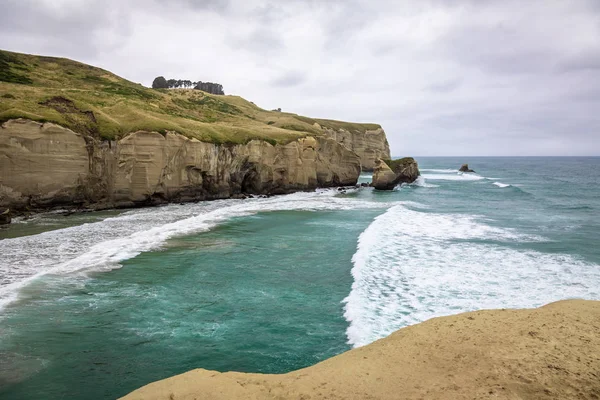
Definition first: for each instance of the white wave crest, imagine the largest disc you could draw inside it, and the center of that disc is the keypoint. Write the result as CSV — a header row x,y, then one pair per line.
x,y
411,266
441,171
501,185
453,177
103,245
421,182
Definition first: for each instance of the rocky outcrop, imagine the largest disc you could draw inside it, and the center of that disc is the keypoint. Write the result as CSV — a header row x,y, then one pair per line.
x,y
465,168
388,174
550,352
370,145
46,165
5,216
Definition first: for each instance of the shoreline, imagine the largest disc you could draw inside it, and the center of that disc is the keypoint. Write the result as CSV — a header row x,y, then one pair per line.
x,y
68,210
547,352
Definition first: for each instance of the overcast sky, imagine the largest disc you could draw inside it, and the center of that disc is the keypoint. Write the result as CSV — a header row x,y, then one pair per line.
x,y
443,77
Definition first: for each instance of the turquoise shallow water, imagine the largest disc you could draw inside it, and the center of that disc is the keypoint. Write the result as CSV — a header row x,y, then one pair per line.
x,y
273,285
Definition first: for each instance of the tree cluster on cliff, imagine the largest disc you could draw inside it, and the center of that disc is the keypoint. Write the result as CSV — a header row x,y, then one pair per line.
x,y
161,83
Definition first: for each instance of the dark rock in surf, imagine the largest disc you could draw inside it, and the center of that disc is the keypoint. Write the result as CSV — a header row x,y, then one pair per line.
x,y
5,216
465,168
389,173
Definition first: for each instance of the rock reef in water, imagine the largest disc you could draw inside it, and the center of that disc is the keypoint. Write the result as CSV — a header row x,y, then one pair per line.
x,y
552,352
465,168
46,165
388,174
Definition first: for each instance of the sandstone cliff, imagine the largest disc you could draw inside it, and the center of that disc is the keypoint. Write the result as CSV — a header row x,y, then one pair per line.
x,y
389,173
370,145
102,141
46,165
552,352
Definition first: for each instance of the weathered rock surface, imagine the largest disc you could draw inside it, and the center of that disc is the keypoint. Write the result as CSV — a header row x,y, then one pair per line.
x,y
5,216
370,145
465,168
46,165
386,177
552,352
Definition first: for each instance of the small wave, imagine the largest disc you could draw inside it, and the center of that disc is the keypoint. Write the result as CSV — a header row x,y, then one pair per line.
x,y
441,171
421,182
411,266
453,177
502,185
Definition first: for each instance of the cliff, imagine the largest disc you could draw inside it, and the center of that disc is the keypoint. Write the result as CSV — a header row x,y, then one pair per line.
x,y
73,134
370,145
552,352
46,165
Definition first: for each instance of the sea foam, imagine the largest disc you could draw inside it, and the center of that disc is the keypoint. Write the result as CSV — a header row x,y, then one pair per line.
x,y
101,246
453,177
412,265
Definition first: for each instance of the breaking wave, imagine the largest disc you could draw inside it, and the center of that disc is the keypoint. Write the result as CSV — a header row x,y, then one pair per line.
x,y
412,265
102,245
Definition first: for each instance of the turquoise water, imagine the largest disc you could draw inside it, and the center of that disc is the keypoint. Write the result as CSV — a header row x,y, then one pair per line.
x,y
96,305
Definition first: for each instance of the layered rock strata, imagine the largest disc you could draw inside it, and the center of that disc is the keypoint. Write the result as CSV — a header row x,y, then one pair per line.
x,y
46,165
387,176
370,145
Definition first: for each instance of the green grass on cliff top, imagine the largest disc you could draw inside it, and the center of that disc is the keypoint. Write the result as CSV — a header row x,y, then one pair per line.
x,y
91,100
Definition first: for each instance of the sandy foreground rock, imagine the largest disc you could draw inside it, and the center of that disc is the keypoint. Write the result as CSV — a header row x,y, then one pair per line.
x,y
552,352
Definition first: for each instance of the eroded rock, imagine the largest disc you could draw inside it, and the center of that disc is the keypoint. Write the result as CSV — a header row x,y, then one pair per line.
x,y
388,174
465,168
369,146
5,216
46,165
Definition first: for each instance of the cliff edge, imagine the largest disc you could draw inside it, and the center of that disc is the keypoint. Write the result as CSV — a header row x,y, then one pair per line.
x,y
552,352
73,135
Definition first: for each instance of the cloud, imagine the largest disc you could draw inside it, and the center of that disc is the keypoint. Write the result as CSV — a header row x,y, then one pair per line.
x,y
444,77
289,79
445,86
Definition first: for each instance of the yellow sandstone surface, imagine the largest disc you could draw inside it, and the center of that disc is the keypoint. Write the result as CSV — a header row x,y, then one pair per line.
x,y
552,352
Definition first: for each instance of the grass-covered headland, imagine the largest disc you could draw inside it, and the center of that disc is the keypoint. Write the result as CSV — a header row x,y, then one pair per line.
x,y
91,100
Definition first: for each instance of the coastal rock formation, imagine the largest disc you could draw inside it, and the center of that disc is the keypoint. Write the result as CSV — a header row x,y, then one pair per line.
x,y
5,217
370,145
46,165
465,168
388,174
552,352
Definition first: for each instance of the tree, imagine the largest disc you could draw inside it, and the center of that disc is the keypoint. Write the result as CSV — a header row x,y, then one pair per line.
x,y
160,83
209,87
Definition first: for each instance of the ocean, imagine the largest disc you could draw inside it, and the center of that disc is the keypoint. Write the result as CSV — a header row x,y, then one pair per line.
x,y
95,305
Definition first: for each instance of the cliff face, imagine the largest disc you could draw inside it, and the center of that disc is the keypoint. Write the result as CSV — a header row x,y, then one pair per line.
x,y
370,145
45,165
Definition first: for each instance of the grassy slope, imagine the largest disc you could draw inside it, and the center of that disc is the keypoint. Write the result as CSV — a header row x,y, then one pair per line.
x,y
30,86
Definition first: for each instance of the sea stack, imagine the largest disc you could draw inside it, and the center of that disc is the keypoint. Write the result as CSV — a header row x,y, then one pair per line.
x,y
389,173
465,168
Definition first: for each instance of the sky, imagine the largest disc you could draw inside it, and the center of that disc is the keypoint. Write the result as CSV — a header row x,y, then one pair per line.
x,y
443,77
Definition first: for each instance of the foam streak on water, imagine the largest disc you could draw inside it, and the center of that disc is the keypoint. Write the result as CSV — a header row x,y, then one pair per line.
x,y
103,245
412,265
